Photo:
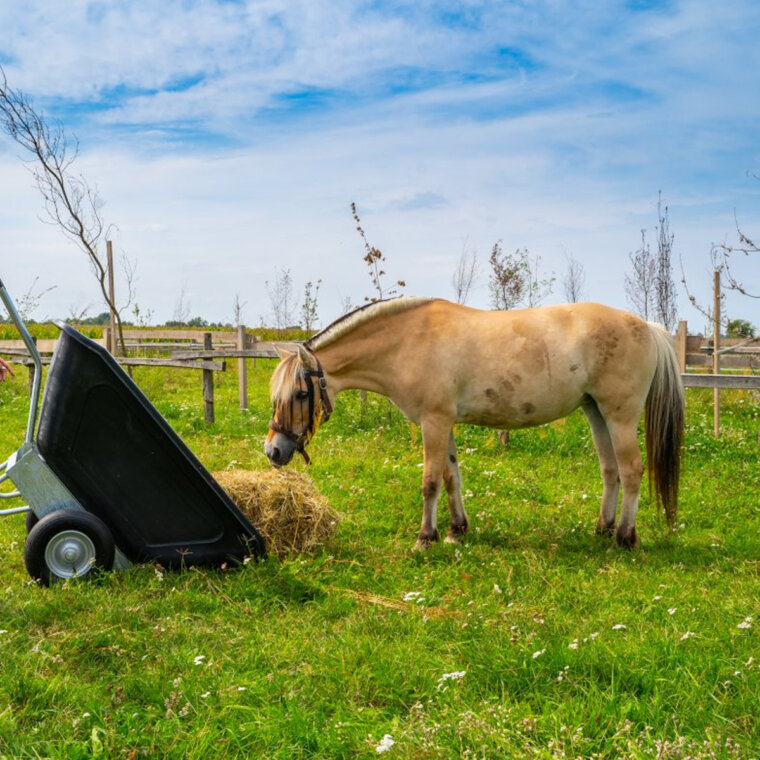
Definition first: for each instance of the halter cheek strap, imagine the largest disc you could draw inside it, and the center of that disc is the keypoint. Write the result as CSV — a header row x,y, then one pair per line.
x,y
314,420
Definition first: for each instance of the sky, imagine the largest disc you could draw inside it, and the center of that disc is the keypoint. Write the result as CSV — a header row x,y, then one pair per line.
x,y
227,139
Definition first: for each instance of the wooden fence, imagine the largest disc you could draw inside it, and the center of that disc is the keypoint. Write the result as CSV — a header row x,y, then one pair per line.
x,y
187,349
207,352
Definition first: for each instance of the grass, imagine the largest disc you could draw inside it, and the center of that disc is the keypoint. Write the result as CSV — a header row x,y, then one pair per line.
x,y
535,638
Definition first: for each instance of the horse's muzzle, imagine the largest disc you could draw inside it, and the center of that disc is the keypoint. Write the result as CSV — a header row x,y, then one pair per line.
x,y
279,449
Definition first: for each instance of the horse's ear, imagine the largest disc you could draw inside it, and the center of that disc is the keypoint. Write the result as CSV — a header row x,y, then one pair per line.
x,y
283,353
307,358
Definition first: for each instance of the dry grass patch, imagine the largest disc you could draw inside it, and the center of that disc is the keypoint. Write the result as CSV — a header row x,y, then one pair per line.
x,y
284,506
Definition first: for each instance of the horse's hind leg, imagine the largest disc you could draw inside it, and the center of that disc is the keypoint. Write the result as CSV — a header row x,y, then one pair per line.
x,y
459,524
607,464
625,442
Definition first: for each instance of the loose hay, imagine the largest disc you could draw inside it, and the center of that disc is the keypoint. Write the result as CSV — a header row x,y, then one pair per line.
x,y
284,506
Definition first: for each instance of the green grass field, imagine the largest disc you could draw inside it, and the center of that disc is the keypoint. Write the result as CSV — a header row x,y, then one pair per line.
x,y
535,638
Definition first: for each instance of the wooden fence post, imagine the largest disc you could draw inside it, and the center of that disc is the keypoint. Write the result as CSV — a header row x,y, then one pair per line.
x,y
111,311
208,383
716,351
242,344
681,333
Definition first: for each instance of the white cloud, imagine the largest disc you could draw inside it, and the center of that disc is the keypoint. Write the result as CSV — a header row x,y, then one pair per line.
x,y
560,145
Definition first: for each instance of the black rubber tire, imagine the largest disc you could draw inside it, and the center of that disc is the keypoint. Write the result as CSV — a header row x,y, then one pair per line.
x,y
31,521
68,535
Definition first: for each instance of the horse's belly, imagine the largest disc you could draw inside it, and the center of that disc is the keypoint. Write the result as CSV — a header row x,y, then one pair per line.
x,y
508,411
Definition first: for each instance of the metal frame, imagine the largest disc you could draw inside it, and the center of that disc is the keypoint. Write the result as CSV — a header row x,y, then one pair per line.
x,y
34,400
26,468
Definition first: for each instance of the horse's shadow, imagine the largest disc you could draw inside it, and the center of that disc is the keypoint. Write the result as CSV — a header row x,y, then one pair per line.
x,y
664,550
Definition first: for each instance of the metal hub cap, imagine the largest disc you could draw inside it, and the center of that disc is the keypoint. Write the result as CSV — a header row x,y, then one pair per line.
x,y
70,554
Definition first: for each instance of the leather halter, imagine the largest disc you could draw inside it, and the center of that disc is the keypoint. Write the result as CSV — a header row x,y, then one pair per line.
x,y
315,418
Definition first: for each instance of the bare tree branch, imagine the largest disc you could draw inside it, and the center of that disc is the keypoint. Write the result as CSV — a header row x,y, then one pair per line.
x,y
574,280
666,310
310,305
70,202
237,310
30,301
465,274
639,285
722,253
280,296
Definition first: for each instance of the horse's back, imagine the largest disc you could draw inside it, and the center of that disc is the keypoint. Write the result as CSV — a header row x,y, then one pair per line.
x,y
524,367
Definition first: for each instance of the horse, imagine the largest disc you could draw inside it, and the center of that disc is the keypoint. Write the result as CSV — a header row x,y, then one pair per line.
x,y
443,363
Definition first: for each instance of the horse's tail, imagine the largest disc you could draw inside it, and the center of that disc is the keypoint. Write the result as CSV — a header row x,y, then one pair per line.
x,y
664,417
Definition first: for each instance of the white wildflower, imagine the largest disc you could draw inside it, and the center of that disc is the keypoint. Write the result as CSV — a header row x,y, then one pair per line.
x,y
536,655
656,598
687,635
497,588
746,623
594,636
453,676
199,659
619,627
385,744
672,610
573,644
412,596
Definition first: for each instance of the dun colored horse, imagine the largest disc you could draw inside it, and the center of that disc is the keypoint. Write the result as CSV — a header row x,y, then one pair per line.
x,y
442,363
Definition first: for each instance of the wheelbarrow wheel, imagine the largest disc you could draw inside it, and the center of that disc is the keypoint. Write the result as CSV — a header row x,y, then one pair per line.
x,y
68,544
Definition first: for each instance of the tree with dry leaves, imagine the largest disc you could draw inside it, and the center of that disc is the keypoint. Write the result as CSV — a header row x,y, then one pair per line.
x,y
375,260
515,279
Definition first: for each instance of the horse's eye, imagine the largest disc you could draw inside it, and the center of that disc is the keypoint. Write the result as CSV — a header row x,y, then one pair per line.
x,y
301,395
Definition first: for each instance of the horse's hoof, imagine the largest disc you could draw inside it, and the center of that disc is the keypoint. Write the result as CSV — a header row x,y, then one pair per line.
x,y
425,542
457,532
628,539
603,529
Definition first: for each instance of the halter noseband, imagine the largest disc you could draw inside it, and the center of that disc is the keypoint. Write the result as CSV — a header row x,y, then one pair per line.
x,y
314,420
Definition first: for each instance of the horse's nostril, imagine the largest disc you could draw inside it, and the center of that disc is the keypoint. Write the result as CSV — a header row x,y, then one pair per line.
x,y
275,454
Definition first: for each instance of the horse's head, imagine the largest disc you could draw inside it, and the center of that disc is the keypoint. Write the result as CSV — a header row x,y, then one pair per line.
x,y
300,405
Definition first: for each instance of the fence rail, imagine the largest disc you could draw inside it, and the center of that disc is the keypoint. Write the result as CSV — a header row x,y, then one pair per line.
x,y
208,351
738,382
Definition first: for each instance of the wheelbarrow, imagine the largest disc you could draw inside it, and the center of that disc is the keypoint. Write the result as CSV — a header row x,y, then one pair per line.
x,y
107,480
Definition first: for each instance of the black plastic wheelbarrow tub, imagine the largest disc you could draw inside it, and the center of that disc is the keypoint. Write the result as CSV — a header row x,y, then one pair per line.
x,y
123,462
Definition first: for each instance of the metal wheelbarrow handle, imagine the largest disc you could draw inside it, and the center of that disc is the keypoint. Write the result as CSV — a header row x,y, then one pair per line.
x,y
34,401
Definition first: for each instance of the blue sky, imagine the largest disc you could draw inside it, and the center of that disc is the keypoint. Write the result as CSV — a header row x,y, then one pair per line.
x,y
228,139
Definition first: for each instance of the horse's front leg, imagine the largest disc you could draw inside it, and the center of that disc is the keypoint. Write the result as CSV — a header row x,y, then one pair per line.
x,y
435,434
459,524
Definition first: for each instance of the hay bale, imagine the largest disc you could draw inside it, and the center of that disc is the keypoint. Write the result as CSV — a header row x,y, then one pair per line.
x,y
284,506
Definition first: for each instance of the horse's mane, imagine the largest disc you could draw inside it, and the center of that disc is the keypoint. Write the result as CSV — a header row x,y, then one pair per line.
x,y
349,322
284,377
